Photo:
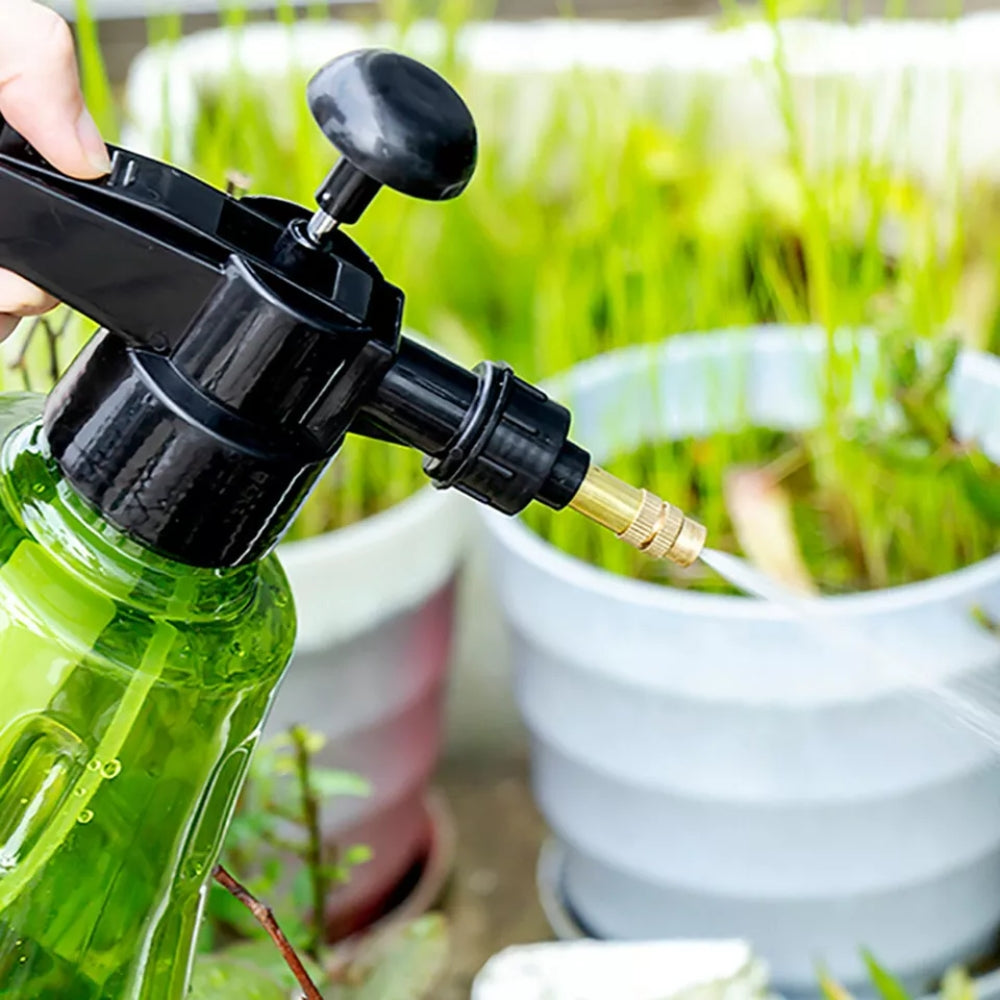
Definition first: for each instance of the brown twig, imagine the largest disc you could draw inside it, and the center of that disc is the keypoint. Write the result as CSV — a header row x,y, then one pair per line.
x,y
265,917
20,363
53,334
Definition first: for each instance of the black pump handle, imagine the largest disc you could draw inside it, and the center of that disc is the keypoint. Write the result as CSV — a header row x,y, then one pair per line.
x,y
149,242
396,123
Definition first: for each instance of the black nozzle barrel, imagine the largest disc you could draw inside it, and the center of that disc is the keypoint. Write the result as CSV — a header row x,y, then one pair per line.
x,y
485,432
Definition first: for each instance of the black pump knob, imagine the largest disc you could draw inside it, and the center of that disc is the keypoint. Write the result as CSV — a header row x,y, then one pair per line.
x,y
396,123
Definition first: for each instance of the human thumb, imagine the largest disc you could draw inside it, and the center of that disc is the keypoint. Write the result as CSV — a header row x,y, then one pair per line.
x,y
40,93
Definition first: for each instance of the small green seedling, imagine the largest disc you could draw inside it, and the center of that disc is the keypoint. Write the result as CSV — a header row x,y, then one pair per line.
x,y
276,847
956,984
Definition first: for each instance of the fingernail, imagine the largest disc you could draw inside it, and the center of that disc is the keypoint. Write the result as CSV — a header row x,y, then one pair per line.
x,y
92,143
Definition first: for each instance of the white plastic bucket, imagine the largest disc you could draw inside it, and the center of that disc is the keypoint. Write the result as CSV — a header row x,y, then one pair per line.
x,y
922,95
715,768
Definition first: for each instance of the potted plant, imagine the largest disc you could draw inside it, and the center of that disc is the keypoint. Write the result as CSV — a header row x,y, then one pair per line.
x,y
372,561
716,766
710,764
266,923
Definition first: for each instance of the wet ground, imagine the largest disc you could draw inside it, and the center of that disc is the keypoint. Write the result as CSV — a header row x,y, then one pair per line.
x,y
492,901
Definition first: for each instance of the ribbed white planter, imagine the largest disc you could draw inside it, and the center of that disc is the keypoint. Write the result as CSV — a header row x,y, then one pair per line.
x,y
375,604
924,95
591,970
715,768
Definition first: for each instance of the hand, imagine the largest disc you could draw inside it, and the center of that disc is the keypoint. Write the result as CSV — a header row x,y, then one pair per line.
x,y
41,98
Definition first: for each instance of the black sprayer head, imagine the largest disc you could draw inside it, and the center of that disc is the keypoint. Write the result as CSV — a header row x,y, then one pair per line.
x,y
243,339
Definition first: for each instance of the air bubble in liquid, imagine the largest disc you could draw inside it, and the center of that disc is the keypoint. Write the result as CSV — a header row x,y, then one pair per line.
x,y
111,770
85,817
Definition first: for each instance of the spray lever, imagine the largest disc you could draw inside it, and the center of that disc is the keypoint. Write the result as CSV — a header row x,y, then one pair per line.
x,y
242,339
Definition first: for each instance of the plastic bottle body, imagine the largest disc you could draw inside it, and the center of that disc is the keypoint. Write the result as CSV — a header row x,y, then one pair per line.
x,y
132,692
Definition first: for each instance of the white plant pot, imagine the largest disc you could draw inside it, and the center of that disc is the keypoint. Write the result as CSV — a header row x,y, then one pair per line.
x,y
375,605
592,970
921,95
715,768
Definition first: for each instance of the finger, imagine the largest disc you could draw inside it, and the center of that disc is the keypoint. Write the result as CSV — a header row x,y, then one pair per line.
x,y
40,89
21,298
8,324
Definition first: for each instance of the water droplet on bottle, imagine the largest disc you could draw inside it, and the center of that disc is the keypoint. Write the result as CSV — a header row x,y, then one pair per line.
x,y
112,769
193,868
238,649
280,599
23,958
24,801
94,766
85,817
80,792
39,488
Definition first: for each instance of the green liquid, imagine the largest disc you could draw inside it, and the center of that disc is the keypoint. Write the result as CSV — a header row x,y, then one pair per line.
x,y
132,692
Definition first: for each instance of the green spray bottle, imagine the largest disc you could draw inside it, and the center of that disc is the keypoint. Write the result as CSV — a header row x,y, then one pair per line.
x,y
144,622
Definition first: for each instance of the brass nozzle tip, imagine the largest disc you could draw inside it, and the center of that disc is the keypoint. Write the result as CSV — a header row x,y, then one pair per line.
x,y
689,543
639,518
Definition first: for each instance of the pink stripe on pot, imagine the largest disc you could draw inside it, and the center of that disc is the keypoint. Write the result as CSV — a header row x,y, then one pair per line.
x,y
377,607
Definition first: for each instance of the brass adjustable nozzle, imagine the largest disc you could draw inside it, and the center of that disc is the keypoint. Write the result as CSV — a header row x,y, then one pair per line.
x,y
639,517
